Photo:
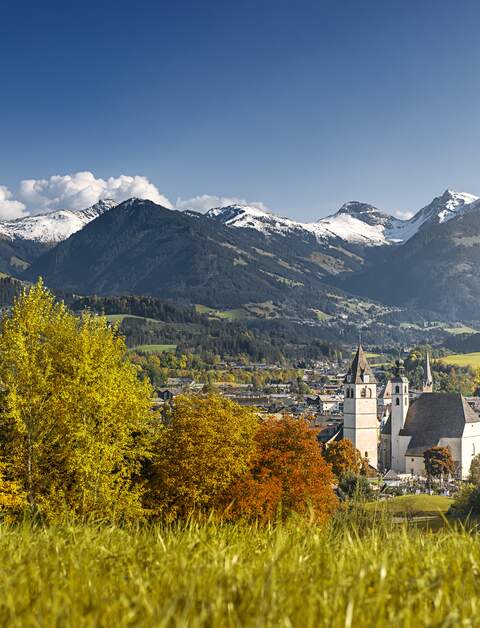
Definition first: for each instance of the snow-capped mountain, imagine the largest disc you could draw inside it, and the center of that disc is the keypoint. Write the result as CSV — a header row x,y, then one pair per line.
x,y
355,222
54,226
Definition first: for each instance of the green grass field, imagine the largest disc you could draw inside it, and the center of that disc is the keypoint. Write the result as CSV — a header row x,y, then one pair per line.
x,y
462,329
236,314
463,359
216,576
118,318
154,348
420,505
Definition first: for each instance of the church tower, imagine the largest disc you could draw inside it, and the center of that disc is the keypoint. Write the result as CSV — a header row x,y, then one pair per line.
x,y
400,405
360,424
427,376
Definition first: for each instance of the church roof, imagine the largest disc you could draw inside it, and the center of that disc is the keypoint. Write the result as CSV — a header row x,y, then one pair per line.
x,y
359,368
391,475
387,426
434,416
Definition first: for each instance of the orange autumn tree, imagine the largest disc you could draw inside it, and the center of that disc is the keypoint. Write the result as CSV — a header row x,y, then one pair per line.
x,y
343,457
287,474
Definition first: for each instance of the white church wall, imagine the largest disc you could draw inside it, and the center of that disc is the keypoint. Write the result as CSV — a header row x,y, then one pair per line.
x,y
414,465
470,446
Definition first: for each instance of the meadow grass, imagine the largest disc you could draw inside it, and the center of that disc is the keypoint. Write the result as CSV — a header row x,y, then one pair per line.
x,y
118,318
155,348
463,359
422,504
345,575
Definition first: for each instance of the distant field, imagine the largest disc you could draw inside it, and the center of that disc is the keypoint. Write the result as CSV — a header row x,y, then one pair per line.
x,y
463,359
238,313
118,318
455,331
154,348
322,316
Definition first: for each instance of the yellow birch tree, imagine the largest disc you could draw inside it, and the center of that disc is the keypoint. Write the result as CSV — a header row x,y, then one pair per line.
x,y
75,419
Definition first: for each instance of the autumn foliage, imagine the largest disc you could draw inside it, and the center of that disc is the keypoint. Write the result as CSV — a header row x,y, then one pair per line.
x,y
206,445
344,458
287,474
438,461
79,438
74,416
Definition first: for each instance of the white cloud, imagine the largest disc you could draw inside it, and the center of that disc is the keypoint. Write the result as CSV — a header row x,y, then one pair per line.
x,y
9,208
82,189
403,214
204,202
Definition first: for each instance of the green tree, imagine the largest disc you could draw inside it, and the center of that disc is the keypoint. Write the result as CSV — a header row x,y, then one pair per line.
x,y
355,486
74,416
474,475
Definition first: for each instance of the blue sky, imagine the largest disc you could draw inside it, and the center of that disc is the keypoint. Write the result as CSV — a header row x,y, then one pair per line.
x,y
301,105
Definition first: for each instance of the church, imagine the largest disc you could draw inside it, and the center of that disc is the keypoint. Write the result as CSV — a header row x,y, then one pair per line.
x,y
413,423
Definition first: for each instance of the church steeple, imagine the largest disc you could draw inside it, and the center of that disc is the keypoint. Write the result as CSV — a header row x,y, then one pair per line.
x,y
360,424
400,406
427,376
360,371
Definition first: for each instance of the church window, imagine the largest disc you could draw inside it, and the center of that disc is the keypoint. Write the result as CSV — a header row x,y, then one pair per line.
x,y
369,393
364,392
397,389
405,390
473,449
397,401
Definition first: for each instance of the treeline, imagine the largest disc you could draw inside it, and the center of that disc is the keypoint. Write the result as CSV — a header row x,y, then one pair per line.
x,y
463,343
148,307
173,324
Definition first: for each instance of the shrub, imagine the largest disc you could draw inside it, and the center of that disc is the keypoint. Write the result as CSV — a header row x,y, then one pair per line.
x,y
355,486
467,501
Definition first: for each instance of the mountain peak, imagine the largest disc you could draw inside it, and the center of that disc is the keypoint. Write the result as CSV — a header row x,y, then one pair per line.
x,y
444,207
53,226
357,207
248,217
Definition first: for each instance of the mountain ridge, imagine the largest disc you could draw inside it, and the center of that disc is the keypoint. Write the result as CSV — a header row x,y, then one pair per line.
x,y
355,221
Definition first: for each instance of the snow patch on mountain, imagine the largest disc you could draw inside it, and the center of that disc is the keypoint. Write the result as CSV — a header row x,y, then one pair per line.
x,y
54,226
345,224
354,222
